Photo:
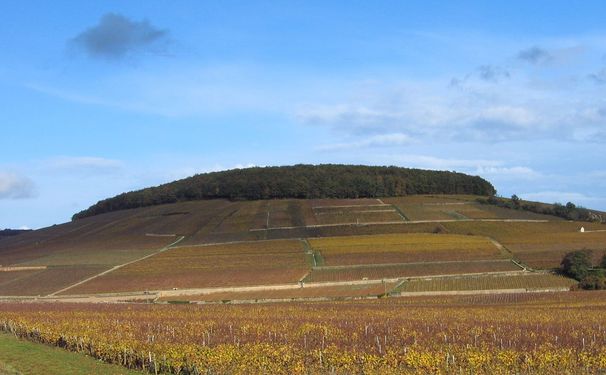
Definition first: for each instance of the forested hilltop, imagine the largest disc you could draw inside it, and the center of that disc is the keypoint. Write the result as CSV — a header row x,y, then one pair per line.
x,y
298,181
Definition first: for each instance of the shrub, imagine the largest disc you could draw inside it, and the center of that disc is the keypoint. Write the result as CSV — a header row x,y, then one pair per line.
x,y
577,264
593,282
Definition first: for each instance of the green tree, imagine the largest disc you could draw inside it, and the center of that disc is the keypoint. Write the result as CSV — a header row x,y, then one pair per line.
x,y
577,264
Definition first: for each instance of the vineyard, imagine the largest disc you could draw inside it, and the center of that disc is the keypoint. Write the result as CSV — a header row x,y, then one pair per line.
x,y
381,249
489,334
456,208
540,245
263,262
486,282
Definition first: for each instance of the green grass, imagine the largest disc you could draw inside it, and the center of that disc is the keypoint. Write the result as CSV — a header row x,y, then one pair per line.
x,y
24,357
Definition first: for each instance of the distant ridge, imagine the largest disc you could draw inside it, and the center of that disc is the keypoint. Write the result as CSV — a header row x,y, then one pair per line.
x,y
12,232
299,181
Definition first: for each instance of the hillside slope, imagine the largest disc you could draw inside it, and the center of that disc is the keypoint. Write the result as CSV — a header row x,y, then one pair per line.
x,y
331,243
299,181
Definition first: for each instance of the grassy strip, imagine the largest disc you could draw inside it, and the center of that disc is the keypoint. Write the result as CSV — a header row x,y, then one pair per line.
x,y
24,357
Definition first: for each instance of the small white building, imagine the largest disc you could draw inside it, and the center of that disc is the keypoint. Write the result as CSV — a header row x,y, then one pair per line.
x,y
582,230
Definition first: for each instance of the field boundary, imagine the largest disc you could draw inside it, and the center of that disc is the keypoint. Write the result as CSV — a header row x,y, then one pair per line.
x,y
370,265
22,268
401,222
473,292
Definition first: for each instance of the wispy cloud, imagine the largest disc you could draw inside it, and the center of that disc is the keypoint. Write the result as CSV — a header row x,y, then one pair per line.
x,y
438,163
116,36
381,140
513,172
598,77
16,186
535,55
561,197
85,163
491,104
492,73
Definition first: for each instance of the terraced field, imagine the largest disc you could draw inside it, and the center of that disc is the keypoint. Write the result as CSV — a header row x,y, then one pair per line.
x,y
381,249
357,214
43,282
486,282
255,263
540,245
457,208
374,233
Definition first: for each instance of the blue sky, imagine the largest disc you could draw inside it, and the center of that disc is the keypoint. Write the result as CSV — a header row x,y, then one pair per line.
x,y
104,97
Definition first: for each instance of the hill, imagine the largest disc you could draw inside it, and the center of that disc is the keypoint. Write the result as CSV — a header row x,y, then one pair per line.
x,y
12,232
298,181
259,249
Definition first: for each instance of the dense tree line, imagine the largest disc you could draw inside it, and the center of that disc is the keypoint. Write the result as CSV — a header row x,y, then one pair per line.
x,y
299,181
569,211
579,266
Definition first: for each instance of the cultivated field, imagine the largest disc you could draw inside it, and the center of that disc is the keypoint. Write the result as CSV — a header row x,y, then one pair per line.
x,y
43,282
382,249
256,263
540,245
563,333
486,282
457,208
374,233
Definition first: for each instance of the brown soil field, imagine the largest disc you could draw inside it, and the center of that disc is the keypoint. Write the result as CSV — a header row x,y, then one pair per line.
x,y
316,203
48,281
540,245
361,217
403,248
254,263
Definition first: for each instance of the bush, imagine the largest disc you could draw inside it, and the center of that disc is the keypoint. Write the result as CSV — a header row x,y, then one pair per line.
x,y
577,264
593,282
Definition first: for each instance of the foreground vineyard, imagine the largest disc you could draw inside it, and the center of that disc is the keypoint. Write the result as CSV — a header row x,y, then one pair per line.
x,y
514,333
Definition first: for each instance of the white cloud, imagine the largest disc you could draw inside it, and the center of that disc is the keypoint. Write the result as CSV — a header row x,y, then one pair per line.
x,y
15,186
561,197
381,140
515,172
431,162
85,163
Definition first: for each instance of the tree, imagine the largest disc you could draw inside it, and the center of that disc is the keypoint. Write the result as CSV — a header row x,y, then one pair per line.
x,y
515,200
593,282
577,264
603,262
